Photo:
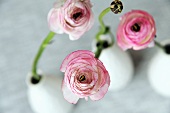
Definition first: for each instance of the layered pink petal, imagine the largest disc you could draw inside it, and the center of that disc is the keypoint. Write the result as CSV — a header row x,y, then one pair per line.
x,y
72,56
128,38
68,94
100,94
53,21
73,17
85,76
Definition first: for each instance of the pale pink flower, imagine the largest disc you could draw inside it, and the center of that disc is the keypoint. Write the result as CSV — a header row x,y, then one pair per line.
x,y
73,17
85,76
136,30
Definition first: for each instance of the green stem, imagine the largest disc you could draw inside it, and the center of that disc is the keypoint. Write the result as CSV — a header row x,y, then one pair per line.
x,y
159,45
38,55
98,52
103,30
102,14
103,27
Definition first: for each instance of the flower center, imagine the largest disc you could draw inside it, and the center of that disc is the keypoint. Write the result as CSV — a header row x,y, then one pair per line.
x,y
82,78
116,6
135,27
77,15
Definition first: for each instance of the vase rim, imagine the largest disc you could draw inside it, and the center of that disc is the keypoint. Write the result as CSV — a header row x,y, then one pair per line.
x,y
29,77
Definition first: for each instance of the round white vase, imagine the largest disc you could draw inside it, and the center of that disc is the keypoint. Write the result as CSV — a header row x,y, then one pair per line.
x,y
118,63
159,72
46,96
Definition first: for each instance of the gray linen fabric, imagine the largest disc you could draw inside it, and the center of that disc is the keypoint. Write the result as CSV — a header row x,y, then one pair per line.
x,y
23,26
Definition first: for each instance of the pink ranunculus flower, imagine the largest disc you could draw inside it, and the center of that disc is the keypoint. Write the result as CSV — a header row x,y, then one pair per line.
x,y
136,30
73,17
85,76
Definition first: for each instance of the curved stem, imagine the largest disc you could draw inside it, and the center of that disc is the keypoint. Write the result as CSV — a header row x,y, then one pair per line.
x,y
98,52
38,55
102,14
103,27
159,45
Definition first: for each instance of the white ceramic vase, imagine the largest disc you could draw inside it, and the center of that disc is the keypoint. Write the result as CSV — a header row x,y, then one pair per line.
x,y
46,96
119,65
159,72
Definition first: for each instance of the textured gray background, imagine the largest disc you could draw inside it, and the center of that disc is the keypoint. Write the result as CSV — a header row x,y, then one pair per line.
x,y
23,26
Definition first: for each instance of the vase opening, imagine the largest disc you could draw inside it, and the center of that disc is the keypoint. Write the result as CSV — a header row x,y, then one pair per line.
x,y
103,44
35,81
167,48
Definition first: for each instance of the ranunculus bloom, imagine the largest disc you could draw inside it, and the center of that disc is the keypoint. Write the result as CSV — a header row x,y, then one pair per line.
x,y
73,17
136,30
85,76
